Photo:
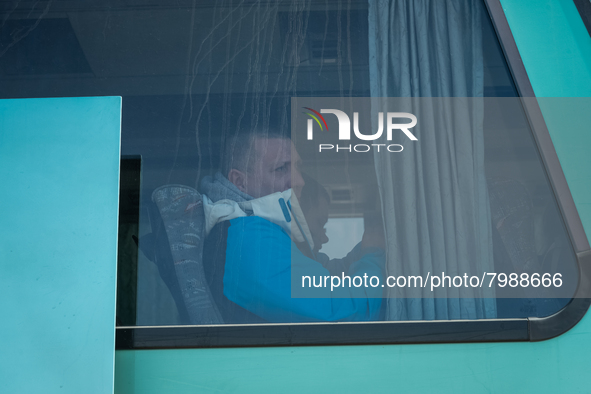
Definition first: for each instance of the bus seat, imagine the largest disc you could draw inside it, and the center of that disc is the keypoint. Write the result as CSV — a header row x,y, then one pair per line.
x,y
159,277
181,211
515,248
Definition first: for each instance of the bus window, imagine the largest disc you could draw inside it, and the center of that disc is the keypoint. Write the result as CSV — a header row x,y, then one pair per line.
x,y
274,152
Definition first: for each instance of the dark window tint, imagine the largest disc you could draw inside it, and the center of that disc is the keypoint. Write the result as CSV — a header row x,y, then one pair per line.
x,y
193,77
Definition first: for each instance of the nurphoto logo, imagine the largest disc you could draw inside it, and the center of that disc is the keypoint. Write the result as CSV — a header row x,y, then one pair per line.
x,y
391,119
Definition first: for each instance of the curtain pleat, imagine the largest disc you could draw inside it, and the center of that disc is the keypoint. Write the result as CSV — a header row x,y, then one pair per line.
x,y
434,194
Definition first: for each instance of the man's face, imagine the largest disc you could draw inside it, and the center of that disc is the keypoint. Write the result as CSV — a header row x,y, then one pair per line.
x,y
274,167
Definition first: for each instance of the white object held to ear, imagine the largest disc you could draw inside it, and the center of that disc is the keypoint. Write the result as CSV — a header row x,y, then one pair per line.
x,y
280,208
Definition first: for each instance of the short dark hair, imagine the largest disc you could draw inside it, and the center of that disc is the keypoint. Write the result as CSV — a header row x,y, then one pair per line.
x,y
239,148
312,192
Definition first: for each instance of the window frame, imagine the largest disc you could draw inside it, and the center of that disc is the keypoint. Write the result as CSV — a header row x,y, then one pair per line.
x,y
407,332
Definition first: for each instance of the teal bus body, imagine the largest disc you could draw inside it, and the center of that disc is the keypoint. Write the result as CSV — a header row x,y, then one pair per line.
x,y
556,51
555,48
58,243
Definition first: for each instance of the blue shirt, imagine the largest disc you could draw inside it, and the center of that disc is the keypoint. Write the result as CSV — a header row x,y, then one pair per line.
x,y
263,265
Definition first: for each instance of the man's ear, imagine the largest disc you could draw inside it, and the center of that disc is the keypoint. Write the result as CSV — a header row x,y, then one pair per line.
x,y
238,178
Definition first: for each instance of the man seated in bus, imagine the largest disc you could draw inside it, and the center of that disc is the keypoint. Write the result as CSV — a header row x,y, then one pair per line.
x,y
250,258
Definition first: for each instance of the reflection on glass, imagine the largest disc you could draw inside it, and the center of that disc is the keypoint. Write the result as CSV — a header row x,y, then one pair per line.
x,y
194,79
342,233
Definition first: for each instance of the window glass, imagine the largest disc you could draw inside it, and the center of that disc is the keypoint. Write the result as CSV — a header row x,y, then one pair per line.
x,y
584,8
341,234
214,86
